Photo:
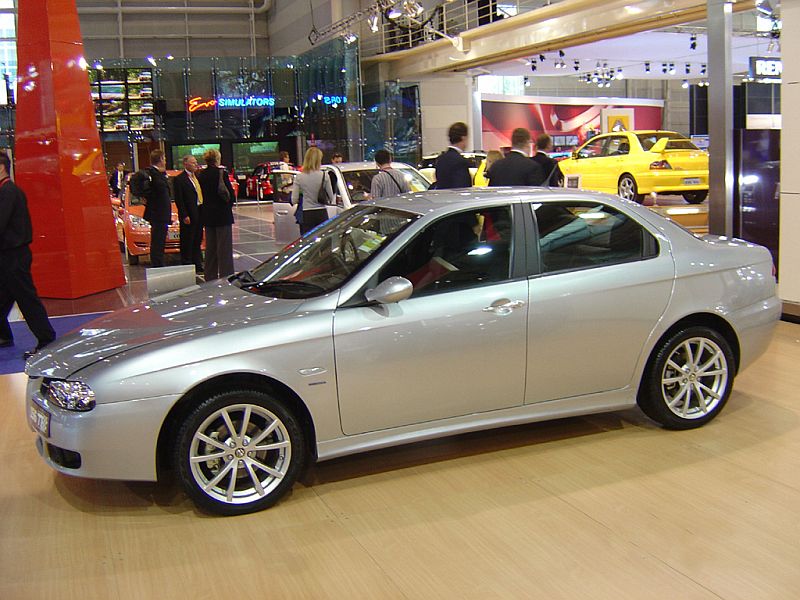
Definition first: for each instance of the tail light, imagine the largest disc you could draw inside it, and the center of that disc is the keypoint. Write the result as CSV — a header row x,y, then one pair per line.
x,y
660,165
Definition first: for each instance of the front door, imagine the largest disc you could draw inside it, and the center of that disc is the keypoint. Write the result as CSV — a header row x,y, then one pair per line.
x,y
456,347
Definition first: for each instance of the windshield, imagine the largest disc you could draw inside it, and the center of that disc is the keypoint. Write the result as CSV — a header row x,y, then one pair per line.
x,y
360,181
676,141
327,256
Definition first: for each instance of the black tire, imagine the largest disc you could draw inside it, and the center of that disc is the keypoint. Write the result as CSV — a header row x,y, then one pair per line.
x,y
627,189
698,391
245,470
695,197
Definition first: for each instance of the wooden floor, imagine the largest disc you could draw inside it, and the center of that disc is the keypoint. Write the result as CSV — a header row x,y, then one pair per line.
x,y
603,507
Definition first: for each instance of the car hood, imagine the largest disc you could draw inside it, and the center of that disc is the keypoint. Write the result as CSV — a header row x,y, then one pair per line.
x,y
203,310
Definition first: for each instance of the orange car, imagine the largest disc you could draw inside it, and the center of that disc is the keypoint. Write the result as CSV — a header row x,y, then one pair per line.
x,y
133,231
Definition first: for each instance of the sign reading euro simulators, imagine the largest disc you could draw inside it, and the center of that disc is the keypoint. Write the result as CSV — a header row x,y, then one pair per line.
x,y
765,69
223,102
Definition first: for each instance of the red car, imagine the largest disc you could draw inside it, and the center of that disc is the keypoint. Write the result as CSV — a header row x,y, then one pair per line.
x,y
258,184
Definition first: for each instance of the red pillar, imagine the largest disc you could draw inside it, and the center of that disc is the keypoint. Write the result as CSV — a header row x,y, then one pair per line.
x,y
58,158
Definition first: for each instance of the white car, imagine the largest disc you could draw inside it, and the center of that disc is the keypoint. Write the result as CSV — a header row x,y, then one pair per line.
x,y
351,182
427,165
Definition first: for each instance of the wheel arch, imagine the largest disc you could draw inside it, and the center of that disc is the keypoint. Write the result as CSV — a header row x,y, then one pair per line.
x,y
710,320
252,381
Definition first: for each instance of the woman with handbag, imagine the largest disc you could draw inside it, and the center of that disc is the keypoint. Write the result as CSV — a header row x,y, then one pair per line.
x,y
311,192
216,214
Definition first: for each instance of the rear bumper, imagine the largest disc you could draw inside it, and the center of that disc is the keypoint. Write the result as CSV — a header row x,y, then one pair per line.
x,y
671,181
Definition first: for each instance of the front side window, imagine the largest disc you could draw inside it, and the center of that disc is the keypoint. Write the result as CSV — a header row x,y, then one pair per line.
x,y
464,250
581,235
326,257
617,146
592,149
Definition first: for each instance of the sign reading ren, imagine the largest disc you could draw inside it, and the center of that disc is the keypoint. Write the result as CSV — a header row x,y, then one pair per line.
x,y
765,68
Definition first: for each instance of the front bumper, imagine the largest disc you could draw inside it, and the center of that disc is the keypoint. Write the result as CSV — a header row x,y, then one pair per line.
x,y
111,441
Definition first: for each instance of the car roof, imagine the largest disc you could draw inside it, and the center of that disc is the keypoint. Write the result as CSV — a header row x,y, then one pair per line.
x,y
366,165
442,201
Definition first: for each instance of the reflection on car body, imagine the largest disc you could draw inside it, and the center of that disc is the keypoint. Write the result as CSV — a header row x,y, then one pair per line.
x,y
403,319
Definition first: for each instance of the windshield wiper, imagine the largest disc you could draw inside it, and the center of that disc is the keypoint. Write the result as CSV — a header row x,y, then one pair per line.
x,y
285,283
244,276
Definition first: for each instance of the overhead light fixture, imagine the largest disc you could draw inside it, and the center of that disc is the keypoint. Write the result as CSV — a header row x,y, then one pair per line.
x,y
541,58
169,57
672,69
98,65
527,81
664,68
647,67
533,67
619,74
393,13
412,8
561,54
702,69
373,23
151,60
350,37
693,41
688,68
576,65
765,8
685,84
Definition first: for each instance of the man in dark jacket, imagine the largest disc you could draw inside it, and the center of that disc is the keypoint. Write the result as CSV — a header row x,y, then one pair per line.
x,y
188,198
16,283
553,176
452,169
118,180
517,168
158,211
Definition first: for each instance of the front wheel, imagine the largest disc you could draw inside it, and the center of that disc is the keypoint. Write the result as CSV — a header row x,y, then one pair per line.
x,y
688,380
239,452
628,190
695,197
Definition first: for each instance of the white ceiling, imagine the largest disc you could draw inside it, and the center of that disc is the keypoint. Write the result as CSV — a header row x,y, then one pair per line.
x,y
632,52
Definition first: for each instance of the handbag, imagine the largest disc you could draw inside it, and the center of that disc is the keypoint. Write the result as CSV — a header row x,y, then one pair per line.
x,y
222,189
322,197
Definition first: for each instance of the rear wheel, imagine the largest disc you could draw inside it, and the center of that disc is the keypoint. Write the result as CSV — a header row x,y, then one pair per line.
x,y
695,197
239,452
627,189
688,380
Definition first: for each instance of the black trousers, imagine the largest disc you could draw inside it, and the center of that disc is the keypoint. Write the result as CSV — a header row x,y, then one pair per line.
x,y
219,252
191,240
16,285
312,218
158,238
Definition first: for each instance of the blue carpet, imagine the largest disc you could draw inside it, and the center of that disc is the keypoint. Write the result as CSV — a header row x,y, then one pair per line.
x,y
11,360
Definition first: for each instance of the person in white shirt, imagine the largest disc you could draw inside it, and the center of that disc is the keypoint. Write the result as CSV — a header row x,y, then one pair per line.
x,y
388,181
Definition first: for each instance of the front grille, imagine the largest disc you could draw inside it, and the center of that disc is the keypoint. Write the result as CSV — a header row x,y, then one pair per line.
x,y
64,458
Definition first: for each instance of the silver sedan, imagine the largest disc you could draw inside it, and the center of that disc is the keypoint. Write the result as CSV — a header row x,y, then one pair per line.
x,y
406,319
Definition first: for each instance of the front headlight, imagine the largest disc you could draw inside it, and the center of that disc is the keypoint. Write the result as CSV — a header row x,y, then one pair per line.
x,y
71,395
139,222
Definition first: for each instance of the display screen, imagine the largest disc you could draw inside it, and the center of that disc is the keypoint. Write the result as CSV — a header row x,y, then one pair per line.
x,y
196,150
248,155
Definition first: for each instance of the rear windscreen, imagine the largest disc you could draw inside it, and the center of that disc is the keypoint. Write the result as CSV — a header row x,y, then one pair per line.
x,y
676,141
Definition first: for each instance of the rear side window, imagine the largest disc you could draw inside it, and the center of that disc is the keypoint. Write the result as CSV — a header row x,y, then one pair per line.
x,y
579,235
676,141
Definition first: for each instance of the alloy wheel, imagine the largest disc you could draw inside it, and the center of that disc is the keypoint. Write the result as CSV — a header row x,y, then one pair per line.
x,y
695,378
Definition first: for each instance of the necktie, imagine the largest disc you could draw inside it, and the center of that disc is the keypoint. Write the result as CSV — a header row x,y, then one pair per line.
x,y
196,185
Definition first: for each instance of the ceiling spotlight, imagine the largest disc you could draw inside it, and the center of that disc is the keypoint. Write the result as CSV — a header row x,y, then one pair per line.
x,y
647,67
98,65
672,69
412,8
533,67
151,60
576,65
373,23
619,74
393,13
693,42
350,37
702,70
169,57
541,58
561,54
527,81
688,68
685,84
663,67
765,8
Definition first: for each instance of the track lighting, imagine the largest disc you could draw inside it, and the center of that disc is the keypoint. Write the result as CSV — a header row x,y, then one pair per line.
x,y
647,67
576,65
619,74
533,67
527,81
561,54
672,69
541,58
702,70
693,42
688,68
664,67
685,84
373,23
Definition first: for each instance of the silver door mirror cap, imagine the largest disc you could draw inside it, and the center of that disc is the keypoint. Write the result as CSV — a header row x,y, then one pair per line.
x,y
390,291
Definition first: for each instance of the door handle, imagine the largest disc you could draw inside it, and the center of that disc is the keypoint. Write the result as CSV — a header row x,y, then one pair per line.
x,y
504,307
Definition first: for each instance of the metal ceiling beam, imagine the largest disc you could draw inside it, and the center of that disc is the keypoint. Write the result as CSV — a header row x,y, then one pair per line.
x,y
554,27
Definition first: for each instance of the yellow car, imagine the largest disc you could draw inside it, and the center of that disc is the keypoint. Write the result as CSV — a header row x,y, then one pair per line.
x,y
635,163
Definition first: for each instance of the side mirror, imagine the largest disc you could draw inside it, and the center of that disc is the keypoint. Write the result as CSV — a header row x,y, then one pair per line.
x,y
575,154
390,291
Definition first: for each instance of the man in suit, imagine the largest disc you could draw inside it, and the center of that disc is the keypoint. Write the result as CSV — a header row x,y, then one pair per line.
x,y
188,198
517,168
452,169
16,283
158,211
544,144
118,179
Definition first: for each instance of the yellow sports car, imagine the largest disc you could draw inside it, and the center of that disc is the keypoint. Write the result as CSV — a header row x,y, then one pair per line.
x,y
635,163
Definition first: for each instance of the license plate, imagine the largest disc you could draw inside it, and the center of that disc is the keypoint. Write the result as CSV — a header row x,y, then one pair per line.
x,y
173,235
40,419
691,181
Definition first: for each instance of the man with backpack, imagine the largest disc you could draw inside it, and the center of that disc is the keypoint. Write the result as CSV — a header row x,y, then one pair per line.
x,y
388,181
158,210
